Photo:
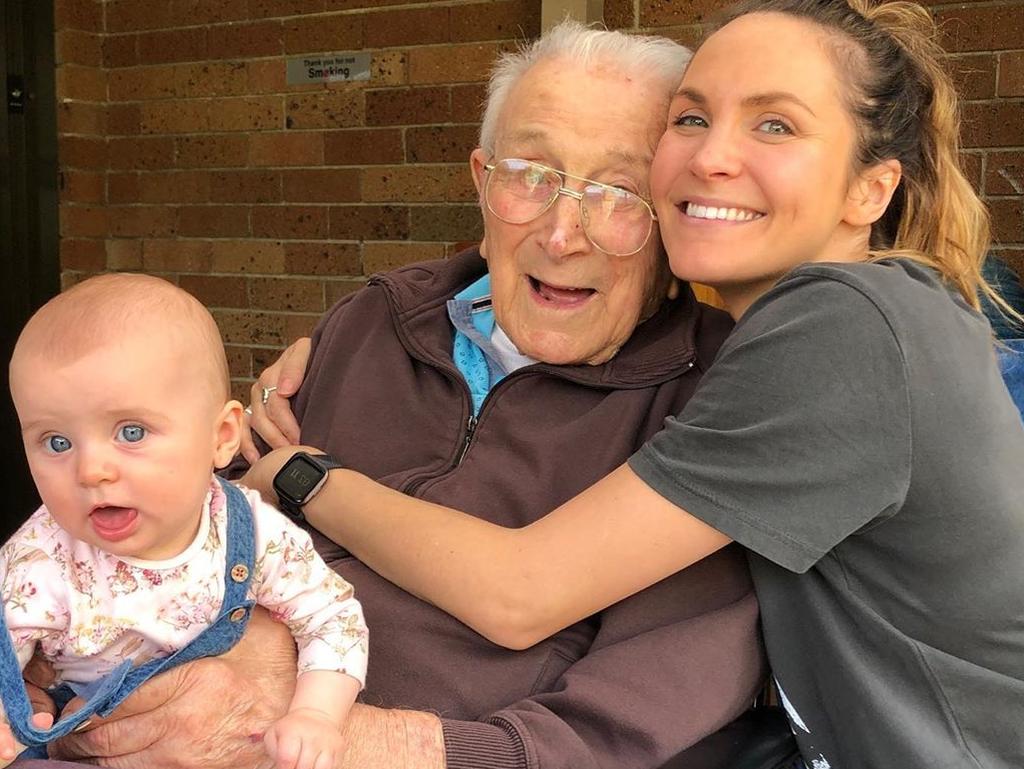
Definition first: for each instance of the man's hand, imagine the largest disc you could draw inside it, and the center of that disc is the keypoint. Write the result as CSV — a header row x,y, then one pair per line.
x,y
273,420
210,713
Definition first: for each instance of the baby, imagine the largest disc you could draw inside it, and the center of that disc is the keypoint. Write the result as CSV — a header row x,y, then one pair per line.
x,y
121,388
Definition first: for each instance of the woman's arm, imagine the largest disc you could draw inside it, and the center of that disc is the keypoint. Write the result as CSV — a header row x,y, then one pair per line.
x,y
514,586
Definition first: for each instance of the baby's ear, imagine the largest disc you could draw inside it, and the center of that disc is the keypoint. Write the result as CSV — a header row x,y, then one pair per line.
x,y
227,434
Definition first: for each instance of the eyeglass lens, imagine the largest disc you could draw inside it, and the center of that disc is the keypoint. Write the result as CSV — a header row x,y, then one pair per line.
x,y
616,220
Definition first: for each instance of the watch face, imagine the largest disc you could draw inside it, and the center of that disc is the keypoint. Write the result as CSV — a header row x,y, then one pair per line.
x,y
298,478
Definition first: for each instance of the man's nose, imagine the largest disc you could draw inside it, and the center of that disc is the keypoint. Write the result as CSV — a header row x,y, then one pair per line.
x,y
565,234
95,466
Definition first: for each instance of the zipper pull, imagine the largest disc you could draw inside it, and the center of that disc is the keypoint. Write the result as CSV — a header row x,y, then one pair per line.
x,y
470,427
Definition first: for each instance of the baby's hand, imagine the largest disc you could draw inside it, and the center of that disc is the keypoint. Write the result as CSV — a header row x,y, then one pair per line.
x,y
304,738
10,747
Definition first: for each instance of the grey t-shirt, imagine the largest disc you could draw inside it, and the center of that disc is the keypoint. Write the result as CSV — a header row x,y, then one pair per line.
x,y
855,435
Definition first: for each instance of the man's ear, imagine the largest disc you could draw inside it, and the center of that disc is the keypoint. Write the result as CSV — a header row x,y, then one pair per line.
x,y
227,434
477,160
871,191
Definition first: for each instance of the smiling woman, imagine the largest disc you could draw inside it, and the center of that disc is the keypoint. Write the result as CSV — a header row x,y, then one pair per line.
x,y
809,173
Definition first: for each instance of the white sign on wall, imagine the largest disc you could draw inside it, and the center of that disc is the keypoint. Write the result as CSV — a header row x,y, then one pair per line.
x,y
328,68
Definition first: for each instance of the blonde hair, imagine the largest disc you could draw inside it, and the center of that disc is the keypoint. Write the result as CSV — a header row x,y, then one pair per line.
x,y
98,311
657,58
906,108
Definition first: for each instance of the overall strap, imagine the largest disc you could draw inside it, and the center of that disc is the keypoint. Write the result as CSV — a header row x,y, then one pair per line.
x,y
105,694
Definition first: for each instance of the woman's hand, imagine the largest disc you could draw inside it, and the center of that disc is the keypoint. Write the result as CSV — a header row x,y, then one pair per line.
x,y
273,419
260,476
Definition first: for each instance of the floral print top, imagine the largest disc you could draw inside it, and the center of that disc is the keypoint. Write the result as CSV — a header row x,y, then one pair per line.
x,y
89,610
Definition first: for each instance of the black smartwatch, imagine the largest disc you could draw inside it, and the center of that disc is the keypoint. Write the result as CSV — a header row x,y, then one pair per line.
x,y
299,480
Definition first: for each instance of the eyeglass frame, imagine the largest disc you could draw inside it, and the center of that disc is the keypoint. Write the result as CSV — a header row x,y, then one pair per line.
x,y
569,192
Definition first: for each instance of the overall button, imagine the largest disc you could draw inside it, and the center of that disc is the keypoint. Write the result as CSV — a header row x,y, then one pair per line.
x,y
237,615
239,572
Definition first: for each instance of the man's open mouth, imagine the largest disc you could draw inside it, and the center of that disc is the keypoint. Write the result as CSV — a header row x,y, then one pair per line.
x,y
559,294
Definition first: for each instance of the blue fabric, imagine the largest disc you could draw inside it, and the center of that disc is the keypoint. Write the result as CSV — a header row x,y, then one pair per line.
x,y
471,314
110,691
1011,365
1004,280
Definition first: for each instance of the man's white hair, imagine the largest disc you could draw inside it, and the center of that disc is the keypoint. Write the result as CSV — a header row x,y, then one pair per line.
x,y
657,58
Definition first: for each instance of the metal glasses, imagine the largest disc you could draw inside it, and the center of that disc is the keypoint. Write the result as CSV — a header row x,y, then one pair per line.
x,y
617,221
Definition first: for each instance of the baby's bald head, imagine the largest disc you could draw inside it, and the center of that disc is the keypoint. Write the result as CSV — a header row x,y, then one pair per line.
x,y
109,308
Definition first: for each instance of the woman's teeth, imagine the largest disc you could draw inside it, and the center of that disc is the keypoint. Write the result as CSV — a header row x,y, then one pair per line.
x,y
727,214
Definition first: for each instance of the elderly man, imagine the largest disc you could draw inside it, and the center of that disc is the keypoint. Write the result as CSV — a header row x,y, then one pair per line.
x,y
508,378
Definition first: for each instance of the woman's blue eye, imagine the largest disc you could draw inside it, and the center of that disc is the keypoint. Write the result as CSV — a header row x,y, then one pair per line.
x,y
776,127
58,444
691,121
132,433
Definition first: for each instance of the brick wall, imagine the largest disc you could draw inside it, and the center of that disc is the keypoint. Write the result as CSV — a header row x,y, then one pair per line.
x,y
184,152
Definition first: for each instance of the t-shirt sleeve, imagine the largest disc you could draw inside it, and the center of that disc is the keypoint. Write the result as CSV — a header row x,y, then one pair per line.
x,y
799,434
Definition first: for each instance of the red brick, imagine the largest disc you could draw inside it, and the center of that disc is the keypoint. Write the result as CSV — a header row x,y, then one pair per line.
x,y
248,256
131,15
440,144
176,255
124,119
242,41
619,14
452,63
177,116
315,34
287,294
468,103
662,13
240,365
296,325
87,255
173,45
974,75
1007,220
216,78
83,187
83,221
120,50
289,222
405,184
247,327
327,109
971,164
445,223
213,221
381,257
124,254
321,185
78,14
363,222
1011,74
512,20
220,151
259,113
262,9
84,83
76,47
142,221
140,84
363,147
1005,173
246,187
1013,257
123,187
174,187
411,26
189,12
460,186
302,148
80,117
82,152
336,289
972,28
408,106
993,124
141,153
266,76
321,258
388,68
216,290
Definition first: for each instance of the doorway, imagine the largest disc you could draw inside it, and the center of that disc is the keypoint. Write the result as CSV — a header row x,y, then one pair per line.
x,y
29,237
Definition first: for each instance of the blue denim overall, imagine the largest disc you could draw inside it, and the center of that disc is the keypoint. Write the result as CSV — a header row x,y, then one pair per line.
x,y
105,694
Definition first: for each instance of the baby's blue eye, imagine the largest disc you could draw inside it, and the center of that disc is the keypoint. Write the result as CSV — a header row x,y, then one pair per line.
x,y
58,444
132,433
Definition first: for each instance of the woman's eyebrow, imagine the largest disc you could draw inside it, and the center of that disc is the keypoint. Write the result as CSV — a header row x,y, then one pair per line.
x,y
756,100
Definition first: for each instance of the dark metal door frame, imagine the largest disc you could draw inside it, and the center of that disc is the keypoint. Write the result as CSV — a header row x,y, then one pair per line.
x,y
29,235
